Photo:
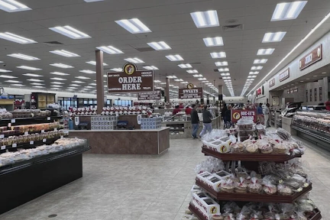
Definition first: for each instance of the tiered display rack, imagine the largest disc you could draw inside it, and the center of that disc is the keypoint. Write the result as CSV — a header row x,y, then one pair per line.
x,y
25,180
250,161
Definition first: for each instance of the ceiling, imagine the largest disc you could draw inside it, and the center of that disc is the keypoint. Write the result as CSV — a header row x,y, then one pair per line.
x,y
169,21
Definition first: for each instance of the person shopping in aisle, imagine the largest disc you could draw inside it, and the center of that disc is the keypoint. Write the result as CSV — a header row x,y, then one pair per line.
x,y
266,115
194,121
224,113
207,121
176,110
188,110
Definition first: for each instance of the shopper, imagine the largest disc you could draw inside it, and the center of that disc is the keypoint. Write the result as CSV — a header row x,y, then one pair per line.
x,y
176,110
327,105
266,115
207,121
228,116
260,114
194,121
224,113
188,110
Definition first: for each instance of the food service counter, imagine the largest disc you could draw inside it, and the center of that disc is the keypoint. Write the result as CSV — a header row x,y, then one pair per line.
x,y
151,142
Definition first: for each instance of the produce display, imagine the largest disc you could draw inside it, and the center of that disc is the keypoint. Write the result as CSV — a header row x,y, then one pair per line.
x,y
318,121
27,154
134,110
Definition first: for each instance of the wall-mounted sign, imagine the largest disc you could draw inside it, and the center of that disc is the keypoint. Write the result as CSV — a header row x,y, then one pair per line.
x,y
284,75
272,82
154,95
131,80
238,114
190,86
311,58
259,91
195,93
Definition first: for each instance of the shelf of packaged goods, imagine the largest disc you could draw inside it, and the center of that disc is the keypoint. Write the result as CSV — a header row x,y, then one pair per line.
x,y
23,133
196,212
27,121
248,157
316,134
29,144
252,197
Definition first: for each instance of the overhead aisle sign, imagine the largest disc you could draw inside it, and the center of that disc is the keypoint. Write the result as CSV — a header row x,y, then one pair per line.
x,y
131,80
155,95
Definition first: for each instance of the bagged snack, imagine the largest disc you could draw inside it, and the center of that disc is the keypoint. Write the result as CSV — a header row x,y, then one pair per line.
x,y
268,187
281,148
284,135
295,182
227,186
238,148
284,190
252,148
240,185
300,215
255,186
264,147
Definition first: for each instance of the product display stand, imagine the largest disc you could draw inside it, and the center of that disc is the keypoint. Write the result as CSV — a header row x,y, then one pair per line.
x,y
250,161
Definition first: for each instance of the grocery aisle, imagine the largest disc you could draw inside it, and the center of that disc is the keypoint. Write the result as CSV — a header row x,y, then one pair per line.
x,y
146,187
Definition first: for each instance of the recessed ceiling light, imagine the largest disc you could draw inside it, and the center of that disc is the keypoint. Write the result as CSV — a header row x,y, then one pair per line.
x,y
172,77
59,83
88,1
23,56
61,65
215,55
192,71
150,68
288,10
134,25
13,81
224,63
94,63
4,71
273,37
260,61
227,77
56,86
161,45
59,73
35,80
39,87
205,19
57,78
77,81
268,51
134,60
74,85
64,53
117,69
82,77
256,68
13,6
225,74
19,85
163,83
213,41
32,75
254,73
201,79
110,50
16,38
197,75
185,82
185,66
178,80
28,68
70,32
175,57
223,69
38,84
87,71
252,76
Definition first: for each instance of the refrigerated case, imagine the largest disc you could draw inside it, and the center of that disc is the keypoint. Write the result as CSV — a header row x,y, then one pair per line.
x,y
41,100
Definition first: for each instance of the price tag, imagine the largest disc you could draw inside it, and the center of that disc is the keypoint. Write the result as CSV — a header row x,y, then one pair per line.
x,y
26,133
2,136
42,131
13,120
44,140
14,145
3,147
31,142
48,118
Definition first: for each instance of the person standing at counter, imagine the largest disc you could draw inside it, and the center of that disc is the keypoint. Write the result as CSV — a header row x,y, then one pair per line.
x,y
194,121
207,121
266,115
188,110
176,110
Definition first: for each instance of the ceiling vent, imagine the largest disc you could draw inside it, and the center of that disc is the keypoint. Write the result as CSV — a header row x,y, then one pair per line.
x,y
144,49
53,43
234,27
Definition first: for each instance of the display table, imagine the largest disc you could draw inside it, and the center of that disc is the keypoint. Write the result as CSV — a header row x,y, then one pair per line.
x,y
126,141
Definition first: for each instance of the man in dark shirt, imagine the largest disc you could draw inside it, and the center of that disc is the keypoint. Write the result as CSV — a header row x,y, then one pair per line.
x,y
207,121
194,121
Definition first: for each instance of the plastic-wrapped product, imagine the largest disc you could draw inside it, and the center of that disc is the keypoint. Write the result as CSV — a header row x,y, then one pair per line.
x,y
296,181
238,148
281,148
300,215
284,190
252,148
231,207
227,186
240,185
211,165
284,135
264,147
255,186
268,186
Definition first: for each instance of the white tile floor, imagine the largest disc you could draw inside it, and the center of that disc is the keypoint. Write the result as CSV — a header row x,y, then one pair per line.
x,y
118,187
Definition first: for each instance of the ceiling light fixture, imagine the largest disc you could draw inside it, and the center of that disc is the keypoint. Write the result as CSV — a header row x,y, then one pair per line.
x,y
161,45
59,83
185,66
175,57
204,19
268,51
197,75
215,55
32,75
28,68
224,63
61,65
13,81
23,56
213,41
201,79
82,77
70,32
16,38
117,69
254,73
150,68
260,61
110,50
288,10
134,60
59,73
134,26
94,63
13,6
192,71
64,53
178,80
223,69
57,78
8,77
273,37
256,68
35,80
87,71
171,77
4,71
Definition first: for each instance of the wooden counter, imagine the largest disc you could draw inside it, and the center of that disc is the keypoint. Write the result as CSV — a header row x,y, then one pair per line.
x,y
125,141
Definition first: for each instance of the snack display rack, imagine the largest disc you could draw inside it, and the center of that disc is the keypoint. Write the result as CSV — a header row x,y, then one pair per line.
x,y
211,197
36,158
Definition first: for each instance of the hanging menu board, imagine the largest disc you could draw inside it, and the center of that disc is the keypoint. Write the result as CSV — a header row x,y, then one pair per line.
x,y
284,75
131,80
195,93
272,82
311,58
155,95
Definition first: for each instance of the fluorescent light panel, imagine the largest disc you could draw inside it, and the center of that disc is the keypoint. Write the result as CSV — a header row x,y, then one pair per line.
x,y
213,41
58,78
204,19
87,71
23,56
35,80
28,68
61,65
161,45
59,73
32,75
64,53
260,61
117,69
223,69
273,37
185,66
175,57
13,81
70,32
150,68
4,71
94,63
192,71
134,26
224,63
215,55
267,51
197,75
256,68
89,1
82,77
134,60
288,10
13,6
110,50
16,38
254,73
